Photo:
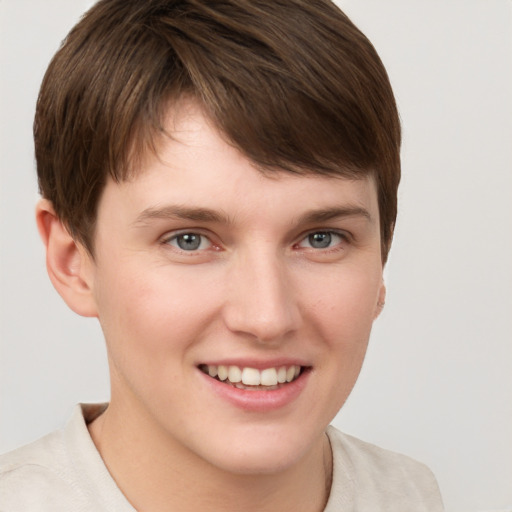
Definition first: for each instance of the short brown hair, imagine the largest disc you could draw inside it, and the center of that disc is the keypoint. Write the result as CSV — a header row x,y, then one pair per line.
x,y
293,84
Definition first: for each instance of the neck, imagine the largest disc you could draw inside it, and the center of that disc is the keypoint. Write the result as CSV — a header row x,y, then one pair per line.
x,y
159,474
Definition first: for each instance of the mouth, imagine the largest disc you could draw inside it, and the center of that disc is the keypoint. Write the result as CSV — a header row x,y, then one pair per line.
x,y
252,379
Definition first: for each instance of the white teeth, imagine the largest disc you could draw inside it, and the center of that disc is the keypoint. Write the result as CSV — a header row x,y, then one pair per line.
x,y
269,377
251,377
222,372
234,374
281,375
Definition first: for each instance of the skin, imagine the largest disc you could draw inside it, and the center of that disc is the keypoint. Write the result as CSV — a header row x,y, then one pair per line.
x,y
258,290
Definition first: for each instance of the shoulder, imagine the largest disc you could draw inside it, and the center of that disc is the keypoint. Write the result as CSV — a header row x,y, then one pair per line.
x,y
380,478
60,472
31,475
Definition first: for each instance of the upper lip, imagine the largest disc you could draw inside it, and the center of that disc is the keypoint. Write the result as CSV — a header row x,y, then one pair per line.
x,y
258,364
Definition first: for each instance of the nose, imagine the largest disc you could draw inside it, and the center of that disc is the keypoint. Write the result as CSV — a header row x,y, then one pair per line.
x,y
261,301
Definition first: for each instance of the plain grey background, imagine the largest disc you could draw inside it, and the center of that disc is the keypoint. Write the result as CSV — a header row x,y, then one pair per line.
x,y
437,381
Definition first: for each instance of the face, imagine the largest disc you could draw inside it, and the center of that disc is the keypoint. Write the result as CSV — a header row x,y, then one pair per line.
x,y
236,306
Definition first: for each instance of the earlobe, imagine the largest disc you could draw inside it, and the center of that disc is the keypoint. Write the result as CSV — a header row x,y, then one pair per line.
x,y
381,300
67,262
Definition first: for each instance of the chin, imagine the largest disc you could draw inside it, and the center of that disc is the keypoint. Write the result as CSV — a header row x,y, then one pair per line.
x,y
263,452
248,463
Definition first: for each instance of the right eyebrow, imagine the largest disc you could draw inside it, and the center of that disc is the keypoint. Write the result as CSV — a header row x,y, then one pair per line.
x,y
177,212
326,214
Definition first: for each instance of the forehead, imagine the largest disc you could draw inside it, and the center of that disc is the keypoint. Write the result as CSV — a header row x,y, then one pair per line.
x,y
195,166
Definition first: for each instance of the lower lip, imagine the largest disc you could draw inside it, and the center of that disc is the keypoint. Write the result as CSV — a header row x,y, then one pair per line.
x,y
258,400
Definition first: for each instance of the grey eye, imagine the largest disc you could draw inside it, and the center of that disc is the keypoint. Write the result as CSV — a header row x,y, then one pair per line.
x,y
320,240
189,241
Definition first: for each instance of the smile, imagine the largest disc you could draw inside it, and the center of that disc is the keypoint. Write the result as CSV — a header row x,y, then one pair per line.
x,y
252,378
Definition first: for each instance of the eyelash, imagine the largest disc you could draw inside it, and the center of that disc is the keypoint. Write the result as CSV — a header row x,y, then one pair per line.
x,y
343,237
176,236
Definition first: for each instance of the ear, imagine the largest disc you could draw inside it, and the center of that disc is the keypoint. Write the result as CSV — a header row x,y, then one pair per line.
x,y
381,300
68,263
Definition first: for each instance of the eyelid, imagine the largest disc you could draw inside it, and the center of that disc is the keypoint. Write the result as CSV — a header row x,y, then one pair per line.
x,y
343,234
173,235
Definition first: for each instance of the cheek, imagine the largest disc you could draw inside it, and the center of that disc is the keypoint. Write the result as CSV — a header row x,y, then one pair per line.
x,y
345,305
342,332
152,313
144,324
343,319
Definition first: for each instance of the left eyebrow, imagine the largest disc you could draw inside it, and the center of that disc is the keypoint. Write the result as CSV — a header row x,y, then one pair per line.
x,y
194,214
326,214
176,212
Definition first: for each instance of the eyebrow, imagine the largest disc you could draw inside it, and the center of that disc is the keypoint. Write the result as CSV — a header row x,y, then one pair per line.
x,y
183,213
174,212
337,212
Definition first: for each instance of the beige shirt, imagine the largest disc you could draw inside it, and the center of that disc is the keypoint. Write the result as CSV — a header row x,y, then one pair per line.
x,y
64,472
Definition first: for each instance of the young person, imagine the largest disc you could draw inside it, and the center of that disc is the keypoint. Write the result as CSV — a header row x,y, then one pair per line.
x,y
219,186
